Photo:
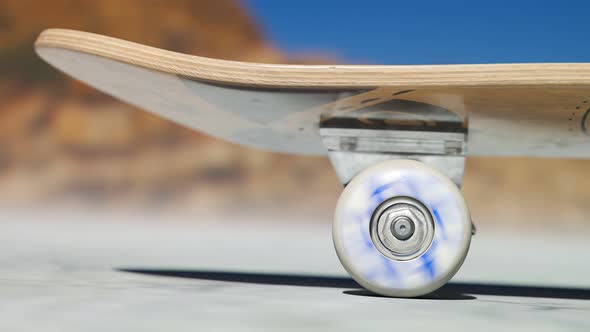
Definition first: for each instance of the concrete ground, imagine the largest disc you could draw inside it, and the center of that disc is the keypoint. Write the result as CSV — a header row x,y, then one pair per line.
x,y
125,273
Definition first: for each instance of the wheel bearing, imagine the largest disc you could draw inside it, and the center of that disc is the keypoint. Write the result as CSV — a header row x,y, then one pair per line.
x,y
402,228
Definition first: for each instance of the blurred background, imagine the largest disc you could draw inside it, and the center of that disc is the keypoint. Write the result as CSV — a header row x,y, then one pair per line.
x,y
65,146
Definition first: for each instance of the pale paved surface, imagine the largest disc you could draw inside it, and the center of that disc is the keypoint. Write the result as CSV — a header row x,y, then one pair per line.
x,y
67,276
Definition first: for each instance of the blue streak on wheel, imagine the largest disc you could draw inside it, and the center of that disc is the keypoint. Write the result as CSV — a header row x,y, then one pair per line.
x,y
439,223
428,264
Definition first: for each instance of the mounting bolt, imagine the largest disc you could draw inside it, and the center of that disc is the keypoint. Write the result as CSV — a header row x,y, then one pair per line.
x,y
402,228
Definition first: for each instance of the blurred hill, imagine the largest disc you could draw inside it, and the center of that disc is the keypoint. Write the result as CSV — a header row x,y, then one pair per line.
x,y
64,144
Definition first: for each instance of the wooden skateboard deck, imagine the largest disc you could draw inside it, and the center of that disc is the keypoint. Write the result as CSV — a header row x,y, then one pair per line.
x,y
506,109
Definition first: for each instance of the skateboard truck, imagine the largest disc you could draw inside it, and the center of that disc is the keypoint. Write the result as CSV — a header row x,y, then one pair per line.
x,y
351,150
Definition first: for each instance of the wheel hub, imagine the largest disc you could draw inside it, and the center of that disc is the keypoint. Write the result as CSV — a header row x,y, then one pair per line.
x,y
402,228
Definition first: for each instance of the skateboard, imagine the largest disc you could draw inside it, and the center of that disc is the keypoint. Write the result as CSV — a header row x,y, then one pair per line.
x,y
397,136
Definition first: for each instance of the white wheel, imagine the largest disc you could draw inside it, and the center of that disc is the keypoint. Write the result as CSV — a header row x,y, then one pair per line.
x,y
401,228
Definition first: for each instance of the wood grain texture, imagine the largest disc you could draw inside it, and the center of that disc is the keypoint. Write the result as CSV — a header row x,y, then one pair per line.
x,y
316,76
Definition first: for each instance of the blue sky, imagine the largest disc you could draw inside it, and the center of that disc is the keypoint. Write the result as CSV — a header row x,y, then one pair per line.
x,y
429,32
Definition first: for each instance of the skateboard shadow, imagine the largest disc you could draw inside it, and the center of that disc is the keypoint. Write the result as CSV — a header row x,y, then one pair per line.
x,y
451,291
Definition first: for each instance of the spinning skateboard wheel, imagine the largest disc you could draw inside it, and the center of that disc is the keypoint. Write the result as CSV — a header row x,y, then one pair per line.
x,y
401,228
